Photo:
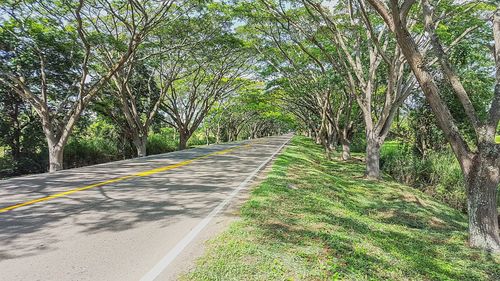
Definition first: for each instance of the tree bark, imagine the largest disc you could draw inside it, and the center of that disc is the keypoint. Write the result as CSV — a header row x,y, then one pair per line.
x,y
372,157
140,143
207,136
55,157
15,142
346,149
332,137
481,169
318,139
217,135
183,139
255,129
482,188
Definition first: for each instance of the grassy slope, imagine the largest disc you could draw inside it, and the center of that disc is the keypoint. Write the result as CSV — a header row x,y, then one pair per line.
x,y
316,220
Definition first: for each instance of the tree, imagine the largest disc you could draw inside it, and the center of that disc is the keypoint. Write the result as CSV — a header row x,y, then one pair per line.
x,y
363,45
288,62
21,136
142,84
208,75
68,41
480,163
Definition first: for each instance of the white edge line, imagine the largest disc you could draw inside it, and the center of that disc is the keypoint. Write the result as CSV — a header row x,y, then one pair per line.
x,y
174,252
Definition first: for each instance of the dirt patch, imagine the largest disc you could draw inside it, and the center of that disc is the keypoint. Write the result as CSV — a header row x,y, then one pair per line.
x,y
411,198
437,223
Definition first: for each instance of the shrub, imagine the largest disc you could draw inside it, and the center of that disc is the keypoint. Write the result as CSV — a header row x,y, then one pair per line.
x,y
89,151
161,142
6,167
436,173
29,162
358,143
197,138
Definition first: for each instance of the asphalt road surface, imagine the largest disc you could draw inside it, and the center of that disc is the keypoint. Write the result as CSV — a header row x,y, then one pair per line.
x,y
125,220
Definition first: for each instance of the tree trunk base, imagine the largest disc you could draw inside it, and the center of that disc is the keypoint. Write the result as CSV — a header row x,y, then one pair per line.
x,y
482,189
346,152
489,243
140,144
373,159
55,160
183,139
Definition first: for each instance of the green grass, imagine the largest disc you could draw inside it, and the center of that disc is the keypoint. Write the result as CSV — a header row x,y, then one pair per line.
x,y
317,220
497,138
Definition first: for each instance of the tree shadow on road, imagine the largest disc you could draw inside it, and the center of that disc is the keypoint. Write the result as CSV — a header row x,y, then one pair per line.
x,y
162,198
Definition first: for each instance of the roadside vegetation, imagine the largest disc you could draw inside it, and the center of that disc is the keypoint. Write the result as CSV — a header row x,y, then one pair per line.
x,y
99,142
415,85
314,219
436,173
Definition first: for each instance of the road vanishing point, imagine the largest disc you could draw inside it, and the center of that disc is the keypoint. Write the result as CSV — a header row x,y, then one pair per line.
x,y
134,219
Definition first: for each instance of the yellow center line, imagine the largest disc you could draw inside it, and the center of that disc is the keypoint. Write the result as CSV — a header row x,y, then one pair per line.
x,y
140,174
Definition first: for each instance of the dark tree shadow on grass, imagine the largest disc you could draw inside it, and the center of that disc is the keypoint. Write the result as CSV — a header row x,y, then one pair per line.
x,y
398,229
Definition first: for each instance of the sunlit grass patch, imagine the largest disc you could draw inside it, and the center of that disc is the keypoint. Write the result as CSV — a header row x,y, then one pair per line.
x,y
312,219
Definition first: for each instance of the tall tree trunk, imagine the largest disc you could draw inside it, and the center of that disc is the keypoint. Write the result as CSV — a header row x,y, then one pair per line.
x,y
55,146
56,153
15,144
140,144
325,142
314,135
481,173
346,149
318,139
482,183
254,131
482,188
217,135
183,139
372,157
331,138
345,140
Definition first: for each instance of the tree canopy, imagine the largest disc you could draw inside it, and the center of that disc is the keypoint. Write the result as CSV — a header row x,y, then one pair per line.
x,y
125,78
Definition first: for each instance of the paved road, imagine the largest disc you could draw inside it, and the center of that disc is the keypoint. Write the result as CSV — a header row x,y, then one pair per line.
x,y
126,229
